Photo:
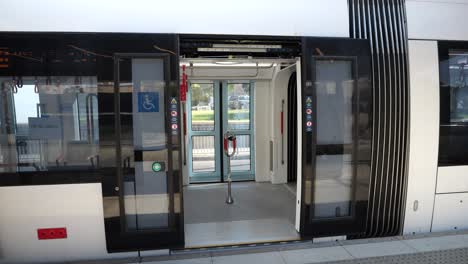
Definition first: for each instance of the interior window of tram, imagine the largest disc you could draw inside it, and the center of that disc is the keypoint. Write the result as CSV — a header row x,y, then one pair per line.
x,y
458,81
48,123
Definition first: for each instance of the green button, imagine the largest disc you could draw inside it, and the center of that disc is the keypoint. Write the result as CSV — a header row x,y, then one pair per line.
x,y
156,166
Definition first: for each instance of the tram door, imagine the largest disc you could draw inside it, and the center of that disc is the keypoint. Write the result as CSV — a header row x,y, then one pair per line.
x,y
214,108
148,156
336,136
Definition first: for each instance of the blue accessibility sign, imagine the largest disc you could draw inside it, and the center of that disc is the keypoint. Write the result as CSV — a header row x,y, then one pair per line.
x,y
148,102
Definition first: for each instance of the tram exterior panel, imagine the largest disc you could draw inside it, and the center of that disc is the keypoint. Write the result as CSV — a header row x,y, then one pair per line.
x,y
410,161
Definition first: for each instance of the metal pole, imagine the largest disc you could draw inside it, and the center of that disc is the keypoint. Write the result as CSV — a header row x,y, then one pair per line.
x,y
229,199
228,136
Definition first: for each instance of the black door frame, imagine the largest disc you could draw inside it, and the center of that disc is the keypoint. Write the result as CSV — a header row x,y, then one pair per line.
x,y
358,52
160,237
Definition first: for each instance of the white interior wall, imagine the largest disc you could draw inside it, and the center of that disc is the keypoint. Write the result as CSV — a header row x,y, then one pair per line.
x,y
299,148
78,207
280,93
424,135
437,19
261,17
262,120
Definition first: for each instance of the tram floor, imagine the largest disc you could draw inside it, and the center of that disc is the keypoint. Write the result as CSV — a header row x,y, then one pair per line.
x,y
261,212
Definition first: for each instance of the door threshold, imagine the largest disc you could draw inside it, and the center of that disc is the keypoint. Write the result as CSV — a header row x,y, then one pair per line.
x,y
216,182
239,246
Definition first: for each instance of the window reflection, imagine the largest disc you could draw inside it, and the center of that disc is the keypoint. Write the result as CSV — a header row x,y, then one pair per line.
x,y
334,156
458,71
453,139
238,106
49,123
203,105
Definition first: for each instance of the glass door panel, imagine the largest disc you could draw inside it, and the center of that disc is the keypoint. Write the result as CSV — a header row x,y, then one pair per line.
x,y
146,195
336,133
204,153
145,132
241,162
238,113
216,107
237,117
202,107
334,87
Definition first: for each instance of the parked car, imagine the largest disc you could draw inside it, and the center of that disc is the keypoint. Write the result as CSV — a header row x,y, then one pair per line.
x,y
244,102
233,102
201,106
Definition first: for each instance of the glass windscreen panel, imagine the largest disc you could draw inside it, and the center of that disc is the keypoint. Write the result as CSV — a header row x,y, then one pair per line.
x,y
333,188
238,96
144,144
49,124
203,105
453,140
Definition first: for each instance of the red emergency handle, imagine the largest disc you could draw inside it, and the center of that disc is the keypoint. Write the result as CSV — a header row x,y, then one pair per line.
x,y
226,144
233,139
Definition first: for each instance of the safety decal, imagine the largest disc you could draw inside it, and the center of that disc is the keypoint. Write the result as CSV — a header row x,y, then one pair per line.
x,y
308,111
173,106
148,102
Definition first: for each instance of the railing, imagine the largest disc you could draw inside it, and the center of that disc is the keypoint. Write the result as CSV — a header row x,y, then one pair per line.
x,y
29,150
209,126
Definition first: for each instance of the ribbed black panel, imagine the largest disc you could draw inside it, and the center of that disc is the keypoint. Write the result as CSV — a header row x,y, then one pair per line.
x,y
383,23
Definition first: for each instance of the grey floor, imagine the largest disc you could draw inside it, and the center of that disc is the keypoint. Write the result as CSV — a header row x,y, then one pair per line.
x,y
262,212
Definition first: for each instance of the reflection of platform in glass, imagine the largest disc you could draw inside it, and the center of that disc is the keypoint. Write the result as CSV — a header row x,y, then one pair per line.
x,y
203,160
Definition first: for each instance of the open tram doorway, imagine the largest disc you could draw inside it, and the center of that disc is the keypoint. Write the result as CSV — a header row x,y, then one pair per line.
x,y
246,95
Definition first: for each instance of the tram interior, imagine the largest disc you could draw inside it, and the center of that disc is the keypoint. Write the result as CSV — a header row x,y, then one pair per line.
x,y
255,99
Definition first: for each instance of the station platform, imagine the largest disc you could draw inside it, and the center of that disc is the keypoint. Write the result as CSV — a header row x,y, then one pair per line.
x,y
447,247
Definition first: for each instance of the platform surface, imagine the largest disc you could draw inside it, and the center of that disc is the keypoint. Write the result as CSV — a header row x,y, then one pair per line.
x,y
448,247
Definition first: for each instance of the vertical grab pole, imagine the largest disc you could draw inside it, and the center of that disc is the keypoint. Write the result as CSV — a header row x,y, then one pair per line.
x,y
282,131
229,137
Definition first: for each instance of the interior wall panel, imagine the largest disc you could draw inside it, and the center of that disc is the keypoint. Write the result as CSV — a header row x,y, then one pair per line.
x,y
279,89
424,135
262,120
383,23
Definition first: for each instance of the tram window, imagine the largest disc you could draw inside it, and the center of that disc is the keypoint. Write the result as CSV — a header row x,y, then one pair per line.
x,y
458,85
453,137
48,123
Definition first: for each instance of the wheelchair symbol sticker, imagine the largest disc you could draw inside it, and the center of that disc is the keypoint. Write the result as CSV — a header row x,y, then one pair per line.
x,y
148,102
